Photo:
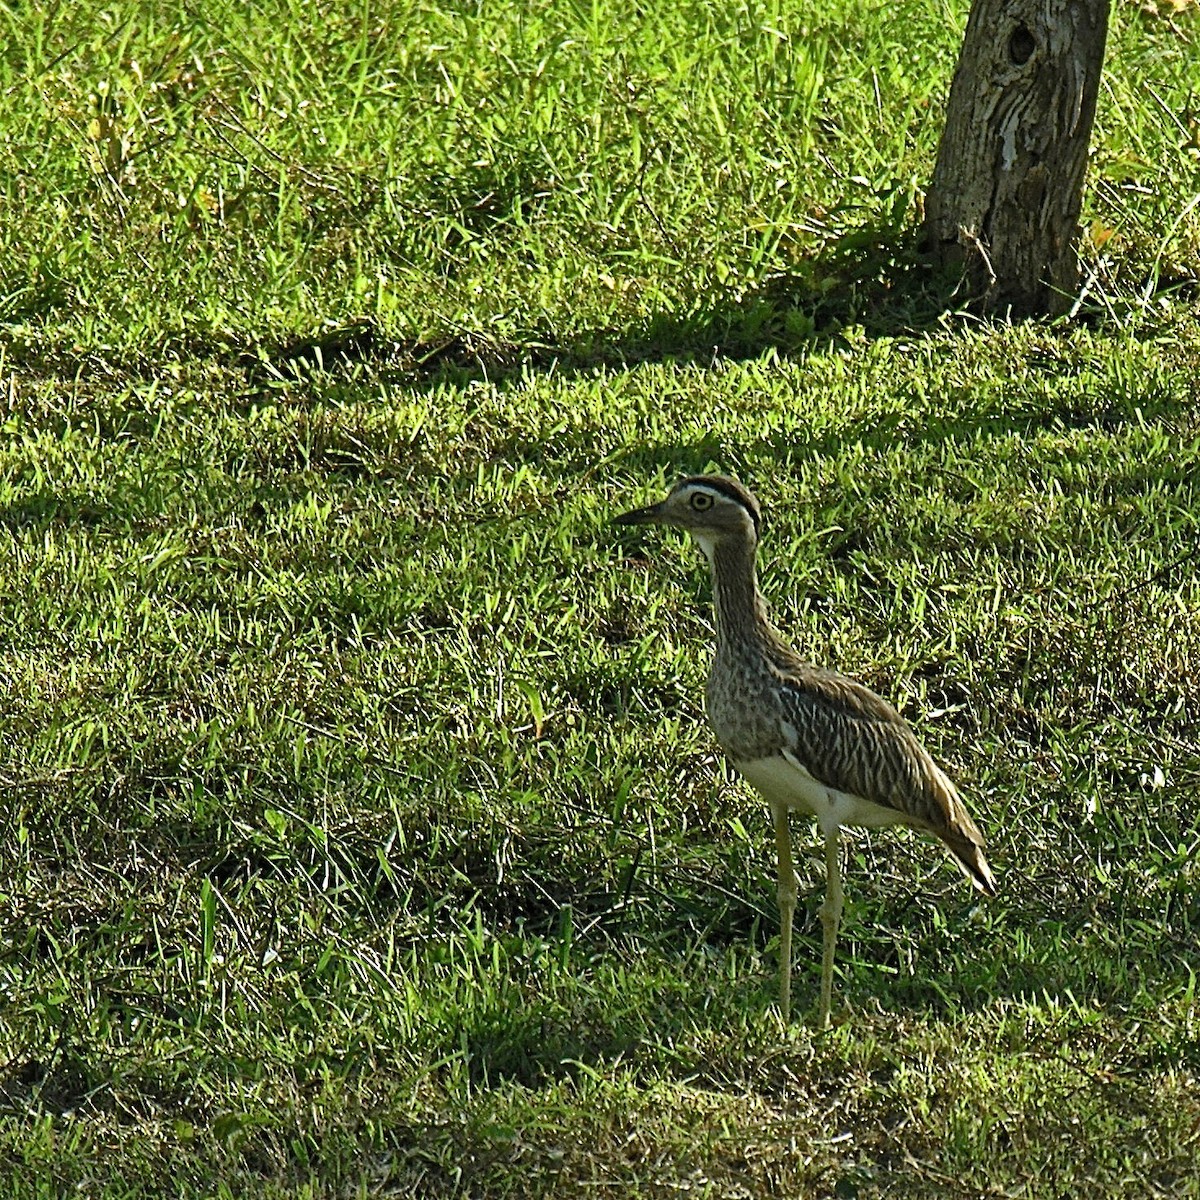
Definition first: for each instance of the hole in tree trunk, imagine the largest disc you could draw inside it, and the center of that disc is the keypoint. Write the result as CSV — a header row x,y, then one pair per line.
x,y
1021,45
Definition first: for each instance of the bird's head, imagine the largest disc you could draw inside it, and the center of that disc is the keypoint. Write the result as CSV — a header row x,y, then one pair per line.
x,y
712,508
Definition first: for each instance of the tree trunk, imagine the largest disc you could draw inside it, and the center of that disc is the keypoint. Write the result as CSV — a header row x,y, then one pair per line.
x,y
1003,207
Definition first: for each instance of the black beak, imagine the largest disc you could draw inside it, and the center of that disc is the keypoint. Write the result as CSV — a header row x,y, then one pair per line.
x,y
639,516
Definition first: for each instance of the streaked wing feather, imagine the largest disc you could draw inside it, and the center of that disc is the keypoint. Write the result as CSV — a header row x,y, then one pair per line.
x,y
853,740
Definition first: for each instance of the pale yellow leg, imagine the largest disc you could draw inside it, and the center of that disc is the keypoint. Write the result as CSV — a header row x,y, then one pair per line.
x,y
787,907
831,915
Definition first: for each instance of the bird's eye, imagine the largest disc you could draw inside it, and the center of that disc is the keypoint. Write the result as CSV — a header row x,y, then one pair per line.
x,y
701,501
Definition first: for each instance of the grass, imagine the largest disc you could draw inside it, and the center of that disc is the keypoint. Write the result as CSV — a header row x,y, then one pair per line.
x,y
363,833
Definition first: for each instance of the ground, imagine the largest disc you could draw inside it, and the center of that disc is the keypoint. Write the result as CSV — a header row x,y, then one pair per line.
x,y
363,833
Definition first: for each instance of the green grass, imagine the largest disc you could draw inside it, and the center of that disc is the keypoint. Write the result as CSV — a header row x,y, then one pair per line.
x,y
363,834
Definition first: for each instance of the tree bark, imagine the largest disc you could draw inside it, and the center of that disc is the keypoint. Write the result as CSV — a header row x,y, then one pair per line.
x,y
1003,207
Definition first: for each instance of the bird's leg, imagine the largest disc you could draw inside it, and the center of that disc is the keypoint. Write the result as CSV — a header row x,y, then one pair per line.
x,y
831,915
787,906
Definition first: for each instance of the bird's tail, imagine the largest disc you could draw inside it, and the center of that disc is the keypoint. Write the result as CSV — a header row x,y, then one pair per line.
x,y
968,855
962,837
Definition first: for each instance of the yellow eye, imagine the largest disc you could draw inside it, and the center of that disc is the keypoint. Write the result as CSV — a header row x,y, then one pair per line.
x,y
701,501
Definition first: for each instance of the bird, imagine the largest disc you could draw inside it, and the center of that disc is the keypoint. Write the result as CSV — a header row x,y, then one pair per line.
x,y
804,736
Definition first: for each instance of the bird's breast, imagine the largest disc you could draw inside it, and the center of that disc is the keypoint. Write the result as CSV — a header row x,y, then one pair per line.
x,y
743,710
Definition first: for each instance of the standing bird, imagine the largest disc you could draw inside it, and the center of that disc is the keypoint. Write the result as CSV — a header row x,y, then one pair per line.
x,y
804,736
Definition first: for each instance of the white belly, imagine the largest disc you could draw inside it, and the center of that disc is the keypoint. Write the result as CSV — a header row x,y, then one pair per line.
x,y
784,781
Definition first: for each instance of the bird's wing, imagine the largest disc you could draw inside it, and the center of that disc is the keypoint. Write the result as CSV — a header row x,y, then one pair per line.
x,y
854,741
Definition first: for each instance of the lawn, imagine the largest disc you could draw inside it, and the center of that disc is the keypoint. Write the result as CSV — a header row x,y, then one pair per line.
x,y
363,832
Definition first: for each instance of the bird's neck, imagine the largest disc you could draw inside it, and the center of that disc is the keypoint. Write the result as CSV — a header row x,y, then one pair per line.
x,y
741,614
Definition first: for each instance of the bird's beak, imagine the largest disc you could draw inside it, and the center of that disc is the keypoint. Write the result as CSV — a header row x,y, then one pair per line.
x,y
641,516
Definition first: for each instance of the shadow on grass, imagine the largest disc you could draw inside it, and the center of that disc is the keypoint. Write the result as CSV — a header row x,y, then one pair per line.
x,y
871,283
667,1008
873,279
